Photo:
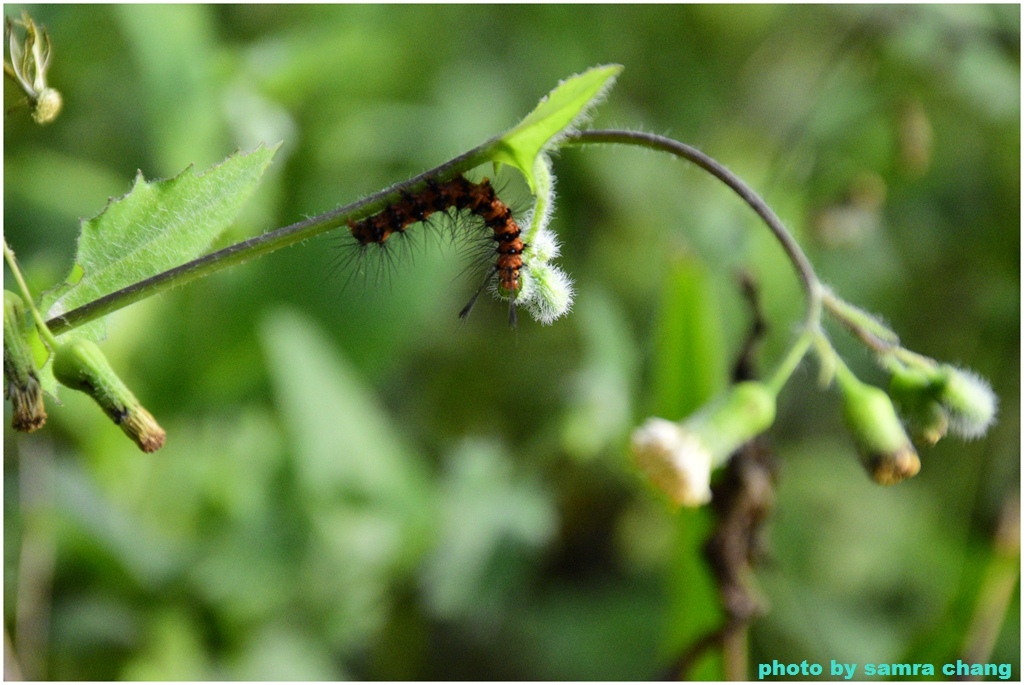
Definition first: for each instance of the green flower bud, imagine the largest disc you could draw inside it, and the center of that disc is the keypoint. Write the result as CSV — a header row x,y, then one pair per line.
x,y
81,366
915,392
547,292
934,398
743,413
678,457
885,450
969,400
21,382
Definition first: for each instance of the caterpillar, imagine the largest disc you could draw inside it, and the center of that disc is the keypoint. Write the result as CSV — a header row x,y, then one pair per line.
x,y
462,194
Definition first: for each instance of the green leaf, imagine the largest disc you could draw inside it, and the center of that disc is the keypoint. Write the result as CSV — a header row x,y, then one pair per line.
x,y
349,444
554,115
690,366
173,649
485,508
367,495
693,606
158,225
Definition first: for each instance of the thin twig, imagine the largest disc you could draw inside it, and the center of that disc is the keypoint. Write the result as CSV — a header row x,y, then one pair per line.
x,y
11,669
1001,577
680,669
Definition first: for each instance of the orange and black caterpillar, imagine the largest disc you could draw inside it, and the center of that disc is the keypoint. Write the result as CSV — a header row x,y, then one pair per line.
x,y
482,201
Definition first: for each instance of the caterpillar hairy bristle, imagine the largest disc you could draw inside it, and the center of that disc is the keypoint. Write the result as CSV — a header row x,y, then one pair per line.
x,y
481,200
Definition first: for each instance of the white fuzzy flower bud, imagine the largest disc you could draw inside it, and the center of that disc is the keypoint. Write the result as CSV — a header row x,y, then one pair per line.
x,y
547,292
969,400
545,246
674,460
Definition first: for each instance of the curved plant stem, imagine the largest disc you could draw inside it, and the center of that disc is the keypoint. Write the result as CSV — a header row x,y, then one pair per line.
x,y
263,244
812,286
792,361
867,328
44,330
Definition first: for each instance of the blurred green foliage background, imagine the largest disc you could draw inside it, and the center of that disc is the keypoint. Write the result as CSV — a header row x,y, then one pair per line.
x,y
356,486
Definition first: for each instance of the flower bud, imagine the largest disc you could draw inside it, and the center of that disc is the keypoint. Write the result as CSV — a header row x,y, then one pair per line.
x,y
674,460
543,246
30,60
679,457
81,366
21,382
47,106
743,413
885,450
547,292
969,400
915,391
934,398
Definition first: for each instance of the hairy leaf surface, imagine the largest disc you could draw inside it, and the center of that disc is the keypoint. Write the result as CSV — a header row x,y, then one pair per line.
x,y
553,117
158,225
